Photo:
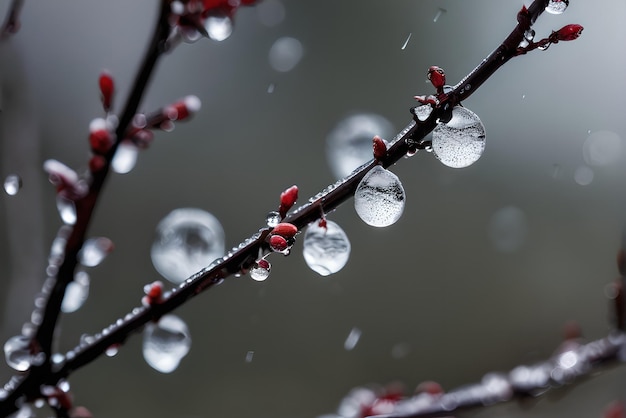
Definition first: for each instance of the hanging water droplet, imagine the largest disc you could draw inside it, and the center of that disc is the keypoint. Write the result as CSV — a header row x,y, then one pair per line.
x,y
166,343
112,350
17,353
272,219
349,143
186,241
94,251
556,7
352,339
67,209
325,250
76,293
379,198
219,28
12,184
423,112
125,157
529,35
285,54
460,142
261,270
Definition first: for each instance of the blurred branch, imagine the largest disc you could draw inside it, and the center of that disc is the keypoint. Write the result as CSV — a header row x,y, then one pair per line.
x,y
12,20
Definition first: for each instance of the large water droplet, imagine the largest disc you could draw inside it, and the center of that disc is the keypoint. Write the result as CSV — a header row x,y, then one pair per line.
x,y
125,157
325,250
12,184
94,251
602,148
186,241
76,293
285,54
67,209
460,142
556,7
508,229
17,353
379,198
166,343
261,270
219,28
349,143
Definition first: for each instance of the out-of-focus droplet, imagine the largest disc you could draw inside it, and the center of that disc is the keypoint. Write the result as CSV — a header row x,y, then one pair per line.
x,y
379,198
261,270
270,88
508,229
355,402
112,351
249,356
440,12
26,411
17,353
349,143
556,7
460,142
94,251
219,28
271,12
583,175
12,184
125,157
602,148
406,42
352,339
165,343
186,241
325,250
272,219
67,209
285,54
76,293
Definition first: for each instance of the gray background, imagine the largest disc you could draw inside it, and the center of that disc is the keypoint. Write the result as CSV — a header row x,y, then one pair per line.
x,y
433,286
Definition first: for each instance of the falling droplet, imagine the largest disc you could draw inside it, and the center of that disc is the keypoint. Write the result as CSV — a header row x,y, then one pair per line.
x,y
94,251
460,142
270,88
249,356
219,28
272,219
423,112
285,54
125,157
508,229
261,270
12,184
325,250
406,42
186,241
352,340
440,11
379,198
17,353
165,343
349,143
556,7
67,210
76,293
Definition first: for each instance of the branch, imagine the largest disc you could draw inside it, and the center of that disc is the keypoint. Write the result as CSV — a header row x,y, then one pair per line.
x,y
11,23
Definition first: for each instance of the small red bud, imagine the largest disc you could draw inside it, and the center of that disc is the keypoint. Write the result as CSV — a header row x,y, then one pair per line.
x,y
287,200
278,243
285,230
437,77
156,290
569,32
100,141
380,148
107,88
96,163
430,387
184,108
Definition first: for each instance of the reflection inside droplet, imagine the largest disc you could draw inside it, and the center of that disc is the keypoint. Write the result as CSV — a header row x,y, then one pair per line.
x,y
166,343
285,54
508,229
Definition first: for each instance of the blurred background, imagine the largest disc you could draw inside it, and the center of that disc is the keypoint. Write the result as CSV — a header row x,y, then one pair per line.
x,y
480,274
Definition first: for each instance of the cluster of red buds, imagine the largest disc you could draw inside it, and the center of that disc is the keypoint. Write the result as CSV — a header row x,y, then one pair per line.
x,y
566,33
282,236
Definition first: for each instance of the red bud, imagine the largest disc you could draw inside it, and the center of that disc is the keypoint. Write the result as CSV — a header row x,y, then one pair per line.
x,y
278,243
380,148
287,200
107,88
437,77
569,32
100,141
285,230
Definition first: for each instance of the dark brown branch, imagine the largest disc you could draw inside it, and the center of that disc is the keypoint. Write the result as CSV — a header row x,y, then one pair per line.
x,y
12,21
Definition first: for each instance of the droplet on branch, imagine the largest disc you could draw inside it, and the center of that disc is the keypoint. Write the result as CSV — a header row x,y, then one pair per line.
x,y
166,343
460,142
326,249
379,198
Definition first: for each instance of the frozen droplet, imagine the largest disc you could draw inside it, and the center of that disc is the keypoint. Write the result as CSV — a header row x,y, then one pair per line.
x,y
460,142
94,251
556,7
406,42
12,184
186,241
529,34
272,219
67,209
325,250
602,148
261,270
125,157
349,143
379,198
440,12
76,293
352,339
17,352
583,175
508,229
165,343
219,28
285,54
271,12
423,112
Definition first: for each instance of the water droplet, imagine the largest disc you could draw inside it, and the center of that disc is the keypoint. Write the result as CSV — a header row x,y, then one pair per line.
x,y
17,353
261,270
271,12
440,11
166,343
249,356
556,7
460,142
76,293
270,88
325,250
285,54
406,42
272,219
94,251
602,148
529,35
25,412
219,28
508,229
353,338
12,184
583,175
67,210
379,198
423,112
125,157
187,240
112,350
349,143
355,402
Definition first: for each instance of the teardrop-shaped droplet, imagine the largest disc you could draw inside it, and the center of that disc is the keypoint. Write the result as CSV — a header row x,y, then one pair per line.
x,y
272,219
12,184
67,210
94,251
529,35
325,250
76,293
186,241
261,270
379,198
17,353
165,343
460,142
556,7
423,112
125,157
219,28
